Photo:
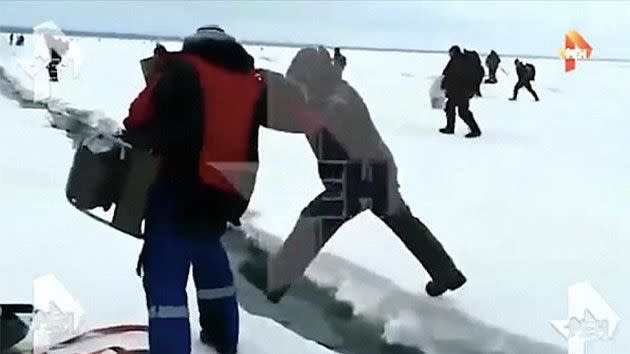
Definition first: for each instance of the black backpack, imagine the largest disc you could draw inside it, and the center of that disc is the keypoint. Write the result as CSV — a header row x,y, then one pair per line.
x,y
472,58
474,67
531,70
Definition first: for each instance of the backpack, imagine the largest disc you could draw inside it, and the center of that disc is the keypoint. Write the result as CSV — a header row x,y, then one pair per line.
x,y
531,70
474,68
472,58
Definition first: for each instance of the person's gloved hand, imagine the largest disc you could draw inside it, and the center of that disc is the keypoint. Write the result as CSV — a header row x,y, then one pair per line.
x,y
138,139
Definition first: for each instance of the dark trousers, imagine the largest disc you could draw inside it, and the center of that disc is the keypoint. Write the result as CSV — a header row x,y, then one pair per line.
x,y
463,109
52,69
492,76
527,85
319,221
478,84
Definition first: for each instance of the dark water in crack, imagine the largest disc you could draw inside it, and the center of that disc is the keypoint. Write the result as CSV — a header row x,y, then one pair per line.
x,y
7,90
307,309
311,311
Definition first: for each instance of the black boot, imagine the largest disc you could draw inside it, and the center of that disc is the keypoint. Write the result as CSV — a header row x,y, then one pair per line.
x,y
472,124
473,134
452,281
447,130
421,242
276,295
207,340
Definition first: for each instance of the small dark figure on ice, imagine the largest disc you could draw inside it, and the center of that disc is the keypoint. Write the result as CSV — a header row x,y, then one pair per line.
x,y
159,50
492,62
474,62
20,41
11,39
526,74
55,60
460,85
339,61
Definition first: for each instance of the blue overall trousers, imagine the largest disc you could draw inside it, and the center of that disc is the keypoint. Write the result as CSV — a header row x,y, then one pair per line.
x,y
168,254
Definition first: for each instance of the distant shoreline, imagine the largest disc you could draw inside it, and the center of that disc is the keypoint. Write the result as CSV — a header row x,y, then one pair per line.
x,y
139,36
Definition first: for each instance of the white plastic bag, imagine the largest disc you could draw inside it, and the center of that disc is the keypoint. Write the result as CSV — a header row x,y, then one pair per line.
x,y
437,94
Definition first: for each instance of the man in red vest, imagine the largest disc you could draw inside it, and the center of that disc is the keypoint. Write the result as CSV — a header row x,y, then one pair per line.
x,y
200,114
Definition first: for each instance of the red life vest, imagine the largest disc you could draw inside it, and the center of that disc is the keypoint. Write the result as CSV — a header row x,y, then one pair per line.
x,y
229,103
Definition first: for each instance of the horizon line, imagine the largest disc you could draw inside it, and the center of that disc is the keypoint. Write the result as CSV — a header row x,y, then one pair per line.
x,y
278,43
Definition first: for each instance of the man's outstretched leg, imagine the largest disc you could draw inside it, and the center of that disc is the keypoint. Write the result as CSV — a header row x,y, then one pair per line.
x,y
529,88
166,263
216,294
426,248
311,232
463,109
516,88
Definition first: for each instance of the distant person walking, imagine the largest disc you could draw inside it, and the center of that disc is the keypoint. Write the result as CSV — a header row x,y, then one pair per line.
x,y
492,62
159,50
339,61
460,85
11,39
55,60
526,74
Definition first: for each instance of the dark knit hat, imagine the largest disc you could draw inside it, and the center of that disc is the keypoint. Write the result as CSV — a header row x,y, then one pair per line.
x,y
209,32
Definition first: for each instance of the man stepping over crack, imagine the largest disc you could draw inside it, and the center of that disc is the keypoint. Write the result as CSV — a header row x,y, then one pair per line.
x,y
346,143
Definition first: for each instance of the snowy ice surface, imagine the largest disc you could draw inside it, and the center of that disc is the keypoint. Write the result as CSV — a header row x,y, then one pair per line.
x,y
533,206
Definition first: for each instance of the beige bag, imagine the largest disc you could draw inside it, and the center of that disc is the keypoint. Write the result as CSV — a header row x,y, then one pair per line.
x,y
147,65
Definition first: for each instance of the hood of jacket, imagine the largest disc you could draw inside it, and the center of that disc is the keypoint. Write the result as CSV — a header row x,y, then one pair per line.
x,y
219,49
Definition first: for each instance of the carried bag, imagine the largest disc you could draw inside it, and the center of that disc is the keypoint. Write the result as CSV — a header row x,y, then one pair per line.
x,y
120,177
